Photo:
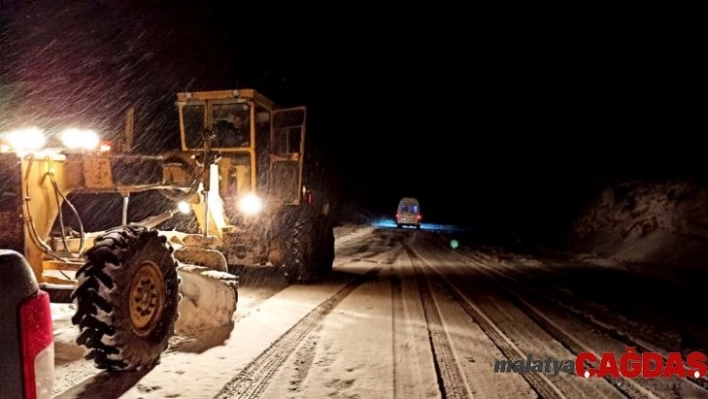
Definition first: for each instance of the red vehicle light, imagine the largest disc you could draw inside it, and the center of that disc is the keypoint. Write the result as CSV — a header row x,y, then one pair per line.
x,y
37,346
420,217
105,146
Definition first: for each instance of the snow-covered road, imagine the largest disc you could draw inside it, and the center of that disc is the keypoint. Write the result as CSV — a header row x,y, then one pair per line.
x,y
403,316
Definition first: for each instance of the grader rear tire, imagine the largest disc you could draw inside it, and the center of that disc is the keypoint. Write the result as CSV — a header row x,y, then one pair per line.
x,y
310,254
328,253
127,299
298,257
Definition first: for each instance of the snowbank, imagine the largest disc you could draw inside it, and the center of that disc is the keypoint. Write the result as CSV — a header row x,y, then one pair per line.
x,y
346,233
658,223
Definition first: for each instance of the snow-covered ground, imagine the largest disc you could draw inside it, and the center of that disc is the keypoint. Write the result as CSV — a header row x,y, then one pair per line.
x,y
404,316
663,223
347,233
71,368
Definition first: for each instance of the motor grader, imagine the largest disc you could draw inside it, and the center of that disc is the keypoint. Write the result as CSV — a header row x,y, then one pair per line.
x,y
128,281
270,216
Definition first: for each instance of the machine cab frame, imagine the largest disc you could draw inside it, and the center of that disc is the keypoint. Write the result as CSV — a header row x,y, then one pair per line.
x,y
251,132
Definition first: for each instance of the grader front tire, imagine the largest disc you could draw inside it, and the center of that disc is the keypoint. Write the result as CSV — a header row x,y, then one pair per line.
x,y
127,299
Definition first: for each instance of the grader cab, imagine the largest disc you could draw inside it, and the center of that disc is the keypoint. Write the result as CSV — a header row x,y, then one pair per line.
x,y
127,281
271,216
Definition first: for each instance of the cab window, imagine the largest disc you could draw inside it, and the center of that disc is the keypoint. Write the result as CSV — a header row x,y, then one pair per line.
x,y
193,118
231,124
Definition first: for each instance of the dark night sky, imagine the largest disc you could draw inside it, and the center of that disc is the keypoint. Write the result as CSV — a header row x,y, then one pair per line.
x,y
493,121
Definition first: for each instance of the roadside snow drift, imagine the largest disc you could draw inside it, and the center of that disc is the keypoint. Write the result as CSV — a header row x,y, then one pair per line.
x,y
344,234
657,223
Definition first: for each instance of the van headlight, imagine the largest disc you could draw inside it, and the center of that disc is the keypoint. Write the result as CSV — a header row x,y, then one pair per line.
x,y
250,204
76,139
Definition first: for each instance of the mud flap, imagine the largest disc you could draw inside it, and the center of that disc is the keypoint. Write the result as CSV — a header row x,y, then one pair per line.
x,y
209,299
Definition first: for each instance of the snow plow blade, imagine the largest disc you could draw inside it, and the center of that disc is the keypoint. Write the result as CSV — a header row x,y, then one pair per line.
x,y
208,301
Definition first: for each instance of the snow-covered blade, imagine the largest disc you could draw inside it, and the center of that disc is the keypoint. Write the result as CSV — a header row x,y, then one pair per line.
x,y
208,299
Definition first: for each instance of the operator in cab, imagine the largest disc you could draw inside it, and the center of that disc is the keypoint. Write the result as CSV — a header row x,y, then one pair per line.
x,y
232,133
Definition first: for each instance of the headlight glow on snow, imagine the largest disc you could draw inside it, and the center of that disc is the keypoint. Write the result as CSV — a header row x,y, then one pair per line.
x,y
250,204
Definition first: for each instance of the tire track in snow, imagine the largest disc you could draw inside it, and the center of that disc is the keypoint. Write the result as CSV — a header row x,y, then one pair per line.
x,y
411,355
451,380
398,317
540,383
252,381
274,273
631,388
255,377
584,310
266,293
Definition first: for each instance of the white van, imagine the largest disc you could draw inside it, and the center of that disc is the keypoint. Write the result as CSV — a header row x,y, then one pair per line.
x,y
408,213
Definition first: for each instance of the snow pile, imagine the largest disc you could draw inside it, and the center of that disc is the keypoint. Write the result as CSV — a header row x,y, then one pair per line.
x,y
62,312
343,230
658,223
348,233
65,348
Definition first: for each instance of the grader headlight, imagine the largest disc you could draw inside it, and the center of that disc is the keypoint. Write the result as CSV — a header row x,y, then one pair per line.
x,y
77,139
250,204
31,139
184,207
